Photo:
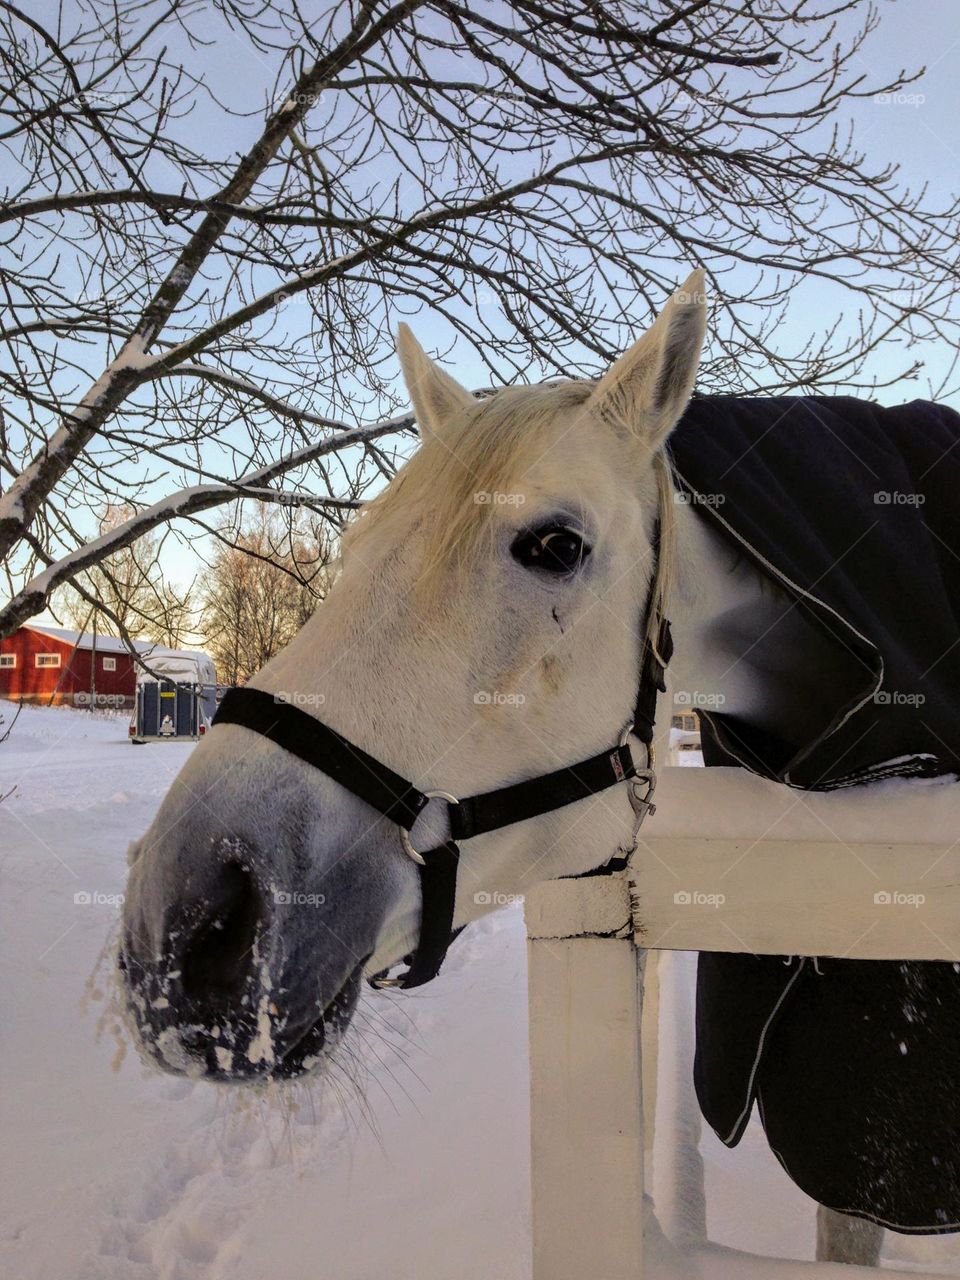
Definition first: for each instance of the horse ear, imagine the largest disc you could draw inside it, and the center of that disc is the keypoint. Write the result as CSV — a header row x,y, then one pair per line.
x,y
435,396
647,389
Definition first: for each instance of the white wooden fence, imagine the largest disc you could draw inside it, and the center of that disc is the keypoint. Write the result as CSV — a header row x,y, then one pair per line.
x,y
729,862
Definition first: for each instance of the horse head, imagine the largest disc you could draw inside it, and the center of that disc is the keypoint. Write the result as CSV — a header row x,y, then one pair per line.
x,y
484,628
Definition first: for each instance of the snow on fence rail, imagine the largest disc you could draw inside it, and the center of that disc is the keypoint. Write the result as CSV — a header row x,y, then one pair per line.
x,y
729,862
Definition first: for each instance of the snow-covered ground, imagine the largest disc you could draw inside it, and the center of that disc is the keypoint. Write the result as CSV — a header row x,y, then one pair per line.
x,y
409,1162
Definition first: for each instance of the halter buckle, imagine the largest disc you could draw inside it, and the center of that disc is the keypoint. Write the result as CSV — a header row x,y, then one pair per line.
x,y
408,848
642,785
381,984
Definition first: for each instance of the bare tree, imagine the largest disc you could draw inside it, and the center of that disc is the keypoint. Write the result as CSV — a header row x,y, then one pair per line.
x,y
130,588
266,578
199,286
175,616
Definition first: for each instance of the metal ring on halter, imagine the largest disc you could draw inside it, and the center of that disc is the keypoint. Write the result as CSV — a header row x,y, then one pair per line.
x,y
642,804
380,983
405,834
644,782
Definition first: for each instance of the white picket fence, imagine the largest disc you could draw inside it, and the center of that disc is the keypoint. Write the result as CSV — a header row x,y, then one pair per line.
x,y
728,863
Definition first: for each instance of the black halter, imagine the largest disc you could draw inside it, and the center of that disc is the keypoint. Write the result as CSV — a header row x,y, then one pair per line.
x,y
400,801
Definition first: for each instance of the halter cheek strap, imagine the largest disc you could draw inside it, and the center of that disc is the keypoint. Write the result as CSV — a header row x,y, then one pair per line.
x,y
399,800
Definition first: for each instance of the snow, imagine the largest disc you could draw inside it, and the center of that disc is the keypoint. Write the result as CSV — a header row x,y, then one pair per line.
x,y
133,355
410,1161
690,803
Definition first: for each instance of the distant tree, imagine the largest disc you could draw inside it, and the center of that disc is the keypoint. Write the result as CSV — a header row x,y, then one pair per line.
x,y
266,578
175,617
127,591
200,274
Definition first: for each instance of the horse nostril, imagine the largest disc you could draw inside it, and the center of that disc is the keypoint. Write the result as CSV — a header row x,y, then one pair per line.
x,y
217,959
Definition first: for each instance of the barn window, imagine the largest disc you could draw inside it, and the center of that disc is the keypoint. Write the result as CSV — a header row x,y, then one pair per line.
x,y
109,664
8,659
48,660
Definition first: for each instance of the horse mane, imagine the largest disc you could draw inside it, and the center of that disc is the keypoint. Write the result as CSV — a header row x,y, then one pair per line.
x,y
666,566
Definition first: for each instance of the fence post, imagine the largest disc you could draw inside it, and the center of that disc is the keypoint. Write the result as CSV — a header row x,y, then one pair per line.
x,y
586,1112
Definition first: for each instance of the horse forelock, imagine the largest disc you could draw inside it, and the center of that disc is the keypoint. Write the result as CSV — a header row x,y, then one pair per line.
x,y
452,483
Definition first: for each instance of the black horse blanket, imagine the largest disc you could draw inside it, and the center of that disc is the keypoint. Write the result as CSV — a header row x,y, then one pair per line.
x,y
855,1065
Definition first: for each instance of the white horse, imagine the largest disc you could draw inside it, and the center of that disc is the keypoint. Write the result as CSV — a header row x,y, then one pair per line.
x,y
483,629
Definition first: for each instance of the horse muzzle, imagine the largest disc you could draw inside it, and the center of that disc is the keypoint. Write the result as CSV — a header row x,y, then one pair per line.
x,y
224,989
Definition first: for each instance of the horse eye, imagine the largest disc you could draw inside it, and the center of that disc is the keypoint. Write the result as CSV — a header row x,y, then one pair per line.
x,y
553,549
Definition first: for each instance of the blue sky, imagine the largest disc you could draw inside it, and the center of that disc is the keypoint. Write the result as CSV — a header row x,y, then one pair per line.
x,y
919,133
922,137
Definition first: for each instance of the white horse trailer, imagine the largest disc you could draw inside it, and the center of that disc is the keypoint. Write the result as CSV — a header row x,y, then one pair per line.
x,y
176,696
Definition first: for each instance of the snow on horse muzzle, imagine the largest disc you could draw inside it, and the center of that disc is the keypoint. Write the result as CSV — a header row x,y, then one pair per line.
x,y
223,994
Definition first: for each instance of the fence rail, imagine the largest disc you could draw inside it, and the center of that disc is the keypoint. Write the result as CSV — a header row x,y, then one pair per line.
x,y
729,862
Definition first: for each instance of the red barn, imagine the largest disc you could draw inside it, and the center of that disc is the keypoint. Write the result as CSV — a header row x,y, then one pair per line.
x,y
50,664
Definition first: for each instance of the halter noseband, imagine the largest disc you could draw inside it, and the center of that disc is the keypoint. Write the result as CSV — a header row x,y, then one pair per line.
x,y
399,800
